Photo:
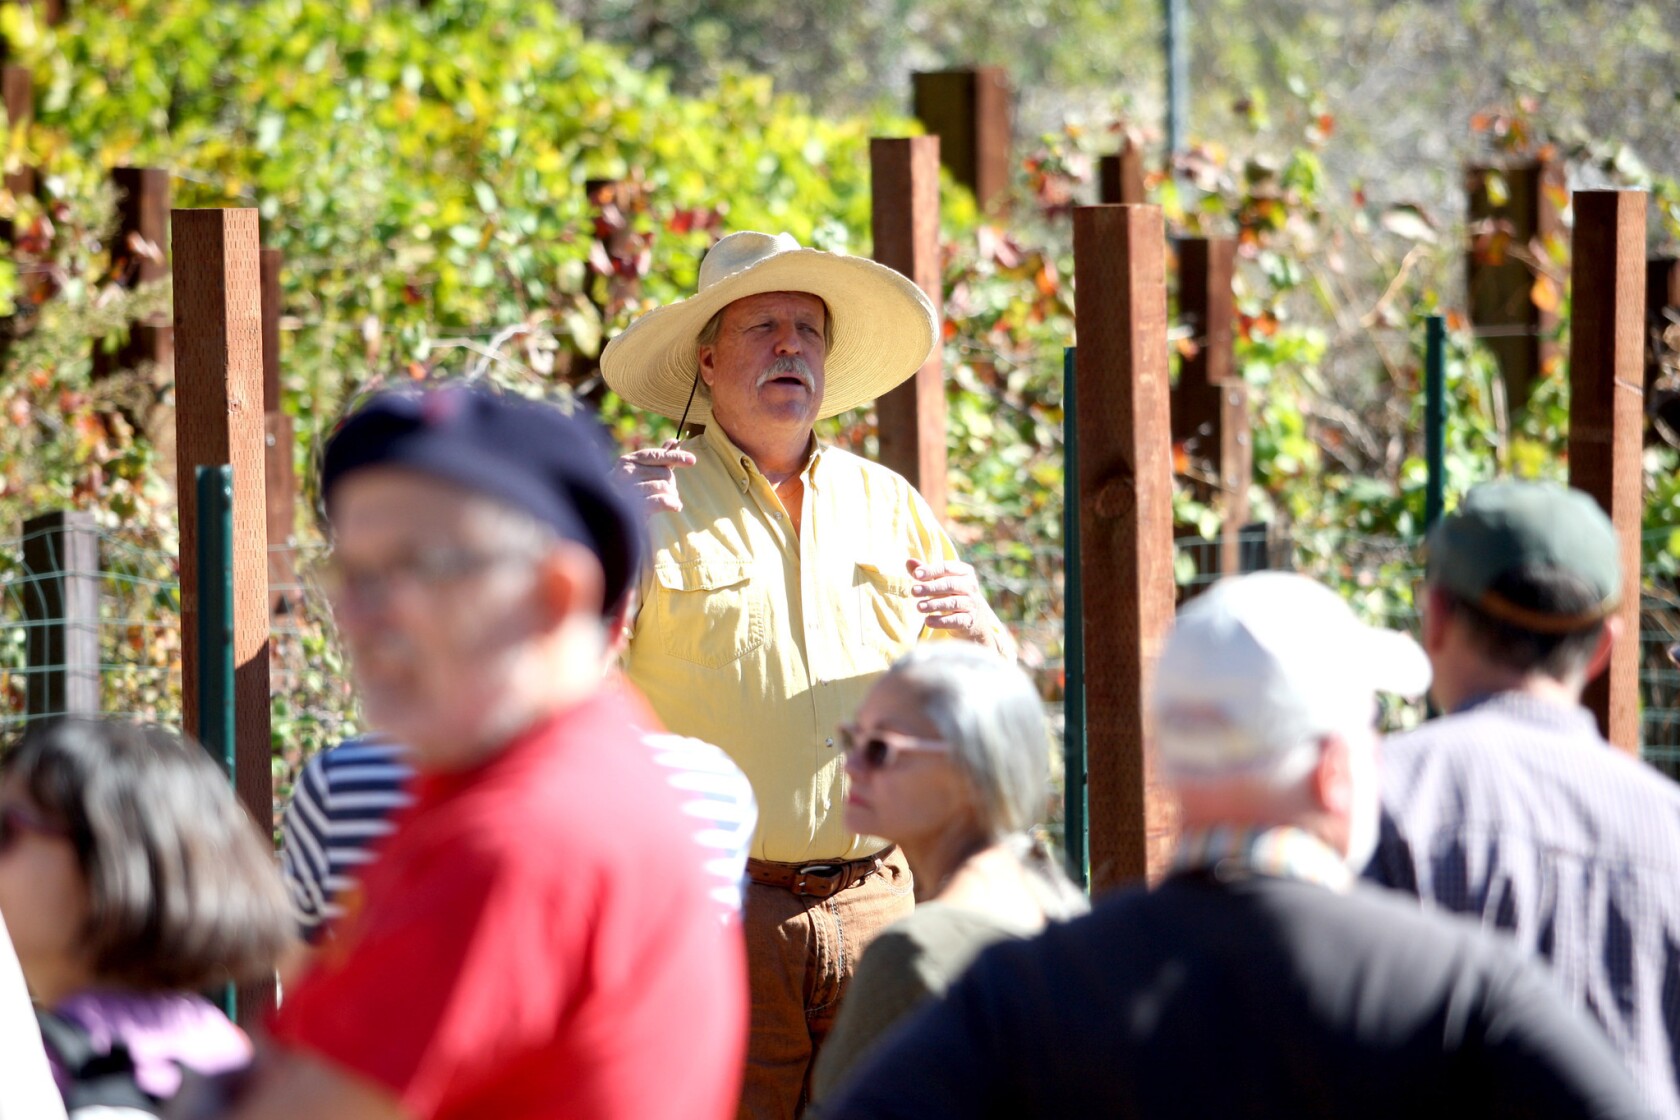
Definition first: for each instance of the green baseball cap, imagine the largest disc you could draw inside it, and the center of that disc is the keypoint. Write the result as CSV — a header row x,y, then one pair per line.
x,y
1506,526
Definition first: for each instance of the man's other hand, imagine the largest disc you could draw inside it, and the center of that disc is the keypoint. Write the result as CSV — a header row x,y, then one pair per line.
x,y
652,472
950,599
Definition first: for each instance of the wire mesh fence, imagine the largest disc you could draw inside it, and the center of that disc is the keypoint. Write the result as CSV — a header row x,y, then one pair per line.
x,y
131,645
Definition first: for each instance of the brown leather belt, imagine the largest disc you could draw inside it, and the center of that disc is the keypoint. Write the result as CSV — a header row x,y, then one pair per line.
x,y
817,880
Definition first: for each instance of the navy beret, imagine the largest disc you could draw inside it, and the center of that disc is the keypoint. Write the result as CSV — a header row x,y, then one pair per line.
x,y
530,455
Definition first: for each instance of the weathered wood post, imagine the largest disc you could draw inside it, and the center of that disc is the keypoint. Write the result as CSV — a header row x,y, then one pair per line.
x,y
1125,526
1502,309
1606,416
61,612
1120,176
219,419
139,254
1662,345
279,472
17,86
1210,404
905,219
971,112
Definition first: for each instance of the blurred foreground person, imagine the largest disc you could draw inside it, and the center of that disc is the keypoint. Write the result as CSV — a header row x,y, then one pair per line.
x,y
131,880
346,797
536,939
948,759
1258,979
1512,807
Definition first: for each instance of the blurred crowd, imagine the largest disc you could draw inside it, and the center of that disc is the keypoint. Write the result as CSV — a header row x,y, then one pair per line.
x,y
701,782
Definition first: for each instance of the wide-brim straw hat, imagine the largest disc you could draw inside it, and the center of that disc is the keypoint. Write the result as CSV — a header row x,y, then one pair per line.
x,y
884,325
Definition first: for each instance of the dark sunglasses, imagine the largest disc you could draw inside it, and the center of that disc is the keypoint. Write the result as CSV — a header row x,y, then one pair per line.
x,y
15,821
878,751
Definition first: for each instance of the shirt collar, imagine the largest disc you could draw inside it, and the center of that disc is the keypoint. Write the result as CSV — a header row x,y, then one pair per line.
x,y
739,464
1282,852
1532,709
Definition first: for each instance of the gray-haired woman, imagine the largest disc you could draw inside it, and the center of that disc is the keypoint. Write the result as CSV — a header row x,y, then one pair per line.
x,y
949,759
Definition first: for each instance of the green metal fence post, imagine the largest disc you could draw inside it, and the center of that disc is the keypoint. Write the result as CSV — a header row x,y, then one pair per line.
x,y
215,629
1435,418
1075,835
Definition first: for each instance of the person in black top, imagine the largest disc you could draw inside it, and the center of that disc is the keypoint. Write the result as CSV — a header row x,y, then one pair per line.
x,y
1259,979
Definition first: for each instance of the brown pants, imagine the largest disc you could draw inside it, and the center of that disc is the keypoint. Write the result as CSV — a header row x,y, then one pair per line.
x,y
800,956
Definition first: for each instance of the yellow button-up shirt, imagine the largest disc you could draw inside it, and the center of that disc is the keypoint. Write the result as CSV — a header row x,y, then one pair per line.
x,y
763,641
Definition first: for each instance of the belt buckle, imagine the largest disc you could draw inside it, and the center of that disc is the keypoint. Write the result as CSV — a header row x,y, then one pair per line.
x,y
830,877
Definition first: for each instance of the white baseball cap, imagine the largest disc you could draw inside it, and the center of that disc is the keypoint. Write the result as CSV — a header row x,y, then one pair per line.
x,y
1262,663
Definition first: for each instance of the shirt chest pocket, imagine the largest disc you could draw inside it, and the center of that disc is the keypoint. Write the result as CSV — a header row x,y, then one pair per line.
x,y
886,609
710,611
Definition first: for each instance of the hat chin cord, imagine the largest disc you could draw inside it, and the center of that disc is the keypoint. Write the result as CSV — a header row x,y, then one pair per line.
x,y
692,389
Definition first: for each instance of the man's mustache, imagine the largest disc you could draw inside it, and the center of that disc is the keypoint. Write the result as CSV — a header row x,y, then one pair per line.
x,y
791,363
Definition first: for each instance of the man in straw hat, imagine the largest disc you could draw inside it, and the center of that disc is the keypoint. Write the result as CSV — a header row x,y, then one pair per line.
x,y
785,577
1259,979
1512,807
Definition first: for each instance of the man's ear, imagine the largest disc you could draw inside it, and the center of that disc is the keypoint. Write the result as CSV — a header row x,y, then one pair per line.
x,y
1331,781
708,367
1614,627
1433,614
569,582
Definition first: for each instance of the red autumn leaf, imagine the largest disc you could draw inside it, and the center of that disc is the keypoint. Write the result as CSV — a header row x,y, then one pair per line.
x,y
1187,347
1181,457
1545,294
681,222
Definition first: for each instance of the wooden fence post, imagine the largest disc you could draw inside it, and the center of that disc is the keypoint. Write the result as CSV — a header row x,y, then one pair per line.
x,y
219,419
139,255
1125,525
1502,310
905,219
1606,416
61,611
279,471
970,111
1210,404
17,86
1662,316
1120,176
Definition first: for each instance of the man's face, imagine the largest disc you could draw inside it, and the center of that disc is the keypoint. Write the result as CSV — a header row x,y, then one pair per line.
x,y
765,370
433,589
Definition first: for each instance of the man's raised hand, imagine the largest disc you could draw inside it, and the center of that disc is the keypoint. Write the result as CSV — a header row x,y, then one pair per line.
x,y
652,472
950,599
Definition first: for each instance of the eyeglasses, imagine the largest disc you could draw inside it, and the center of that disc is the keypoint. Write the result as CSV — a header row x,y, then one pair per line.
x,y
422,570
881,749
15,821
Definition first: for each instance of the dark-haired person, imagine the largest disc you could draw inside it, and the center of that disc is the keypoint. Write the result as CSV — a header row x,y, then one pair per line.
x,y
537,937
1511,807
131,879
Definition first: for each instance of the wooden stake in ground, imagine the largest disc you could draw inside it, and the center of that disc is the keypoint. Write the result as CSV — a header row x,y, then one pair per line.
x,y
971,113
1607,416
279,473
1125,520
905,181
1210,404
219,419
1120,176
1508,225
139,255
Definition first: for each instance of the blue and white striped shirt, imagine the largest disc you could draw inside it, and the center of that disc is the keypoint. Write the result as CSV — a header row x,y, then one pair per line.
x,y
341,807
